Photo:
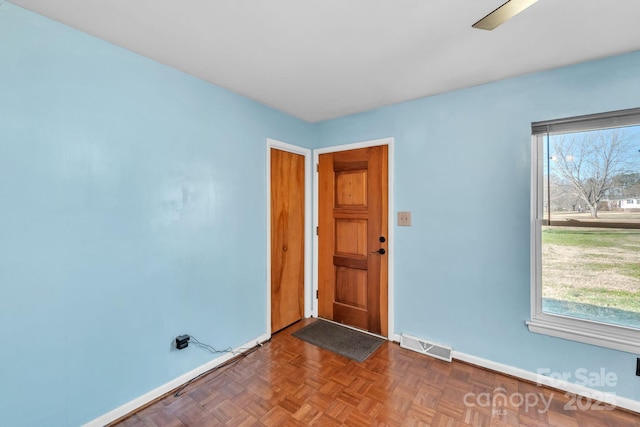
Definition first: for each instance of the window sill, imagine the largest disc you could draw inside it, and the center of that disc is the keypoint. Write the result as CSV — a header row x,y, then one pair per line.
x,y
600,334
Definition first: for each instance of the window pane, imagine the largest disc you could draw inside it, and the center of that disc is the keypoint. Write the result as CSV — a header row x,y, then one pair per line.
x,y
592,273
592,179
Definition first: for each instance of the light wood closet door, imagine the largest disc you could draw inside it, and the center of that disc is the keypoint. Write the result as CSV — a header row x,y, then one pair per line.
x,y
287,238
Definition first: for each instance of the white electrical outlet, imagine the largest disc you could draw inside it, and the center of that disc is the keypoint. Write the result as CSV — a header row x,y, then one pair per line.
x,y
404,219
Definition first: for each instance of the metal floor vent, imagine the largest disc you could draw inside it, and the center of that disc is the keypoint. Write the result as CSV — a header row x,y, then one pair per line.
x,y
438,351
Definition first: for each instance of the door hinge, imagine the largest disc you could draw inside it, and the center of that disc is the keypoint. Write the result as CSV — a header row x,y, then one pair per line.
x,y
316,294
317,231
317,167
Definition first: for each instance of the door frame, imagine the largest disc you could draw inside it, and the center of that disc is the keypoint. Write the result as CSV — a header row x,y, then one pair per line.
x,y
389,142
306,152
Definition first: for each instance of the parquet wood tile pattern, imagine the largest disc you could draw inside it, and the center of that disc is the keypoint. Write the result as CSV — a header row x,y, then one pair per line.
x,y
289,382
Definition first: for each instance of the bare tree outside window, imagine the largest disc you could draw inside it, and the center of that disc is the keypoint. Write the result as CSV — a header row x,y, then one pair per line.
x,y
593,166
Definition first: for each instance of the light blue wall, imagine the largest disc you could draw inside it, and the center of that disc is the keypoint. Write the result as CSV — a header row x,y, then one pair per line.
x,y
462,167
132,209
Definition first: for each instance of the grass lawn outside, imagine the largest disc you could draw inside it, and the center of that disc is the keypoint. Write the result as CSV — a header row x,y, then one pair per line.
x,y
592,273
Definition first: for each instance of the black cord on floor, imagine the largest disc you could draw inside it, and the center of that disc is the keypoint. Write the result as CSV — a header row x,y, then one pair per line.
x,y
210,348
237,357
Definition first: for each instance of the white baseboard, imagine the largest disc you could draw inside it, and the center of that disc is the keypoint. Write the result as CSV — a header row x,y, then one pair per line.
x,y
131,406
609,398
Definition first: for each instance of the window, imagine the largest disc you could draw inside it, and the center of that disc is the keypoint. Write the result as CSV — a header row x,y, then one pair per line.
x,y
585,264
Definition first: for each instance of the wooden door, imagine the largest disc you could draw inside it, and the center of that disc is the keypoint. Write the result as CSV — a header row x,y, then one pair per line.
x,y
287,238
352,233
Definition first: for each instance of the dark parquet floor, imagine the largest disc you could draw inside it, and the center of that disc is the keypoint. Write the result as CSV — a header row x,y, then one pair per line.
x,y
289,382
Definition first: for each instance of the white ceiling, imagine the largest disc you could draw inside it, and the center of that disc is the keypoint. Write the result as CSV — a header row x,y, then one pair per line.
x,y
321,59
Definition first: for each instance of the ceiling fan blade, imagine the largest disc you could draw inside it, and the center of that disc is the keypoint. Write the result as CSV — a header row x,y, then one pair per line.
x,y
502,14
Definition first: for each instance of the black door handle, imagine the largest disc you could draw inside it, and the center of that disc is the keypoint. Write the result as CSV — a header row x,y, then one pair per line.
x,y
380,251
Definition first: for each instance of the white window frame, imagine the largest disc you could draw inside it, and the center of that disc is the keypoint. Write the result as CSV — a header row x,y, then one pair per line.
x,y
571,328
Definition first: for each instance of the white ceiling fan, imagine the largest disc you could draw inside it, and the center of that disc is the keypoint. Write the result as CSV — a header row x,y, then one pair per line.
x,y
502,14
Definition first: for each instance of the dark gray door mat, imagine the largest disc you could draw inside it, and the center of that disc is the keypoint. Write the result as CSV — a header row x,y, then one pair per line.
x,y
339,339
